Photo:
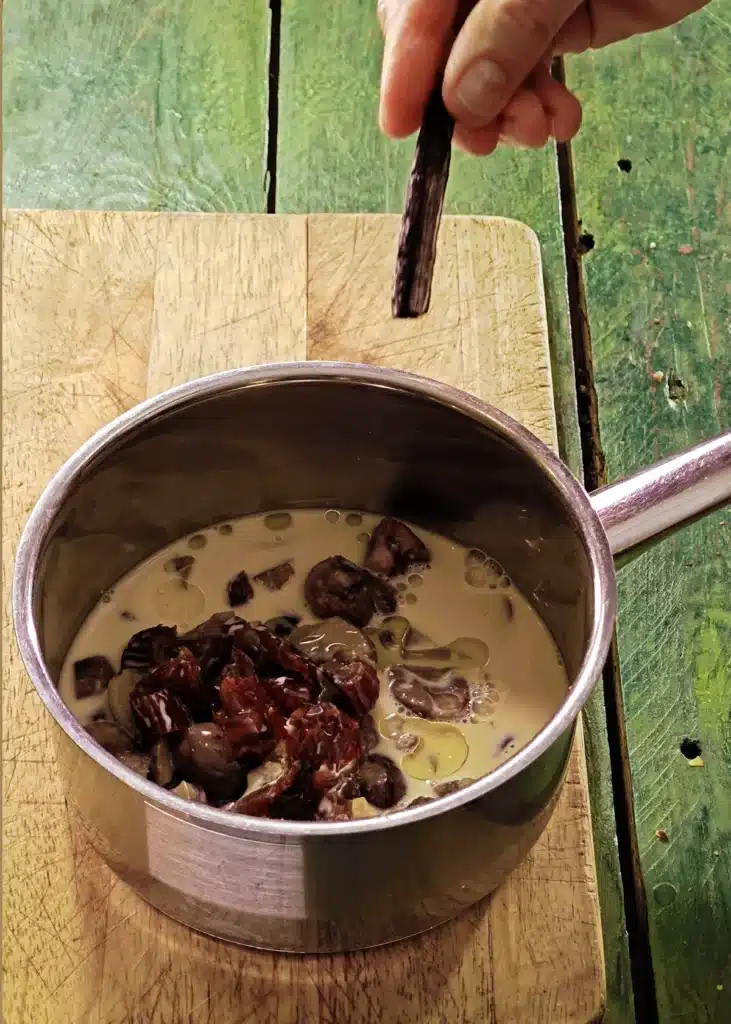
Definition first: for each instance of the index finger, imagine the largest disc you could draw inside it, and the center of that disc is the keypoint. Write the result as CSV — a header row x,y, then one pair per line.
x,y
417,35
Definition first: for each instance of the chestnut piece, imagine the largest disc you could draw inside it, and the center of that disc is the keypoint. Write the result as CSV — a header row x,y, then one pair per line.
x,y
451,786
381,782
353,684
158,714
337,587
91,676
111,737
205,756
149,647
276,577
239,589
393,547
162,769
139,763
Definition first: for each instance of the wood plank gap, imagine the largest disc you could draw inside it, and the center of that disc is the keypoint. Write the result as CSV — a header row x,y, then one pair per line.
x,y
275,36
594,470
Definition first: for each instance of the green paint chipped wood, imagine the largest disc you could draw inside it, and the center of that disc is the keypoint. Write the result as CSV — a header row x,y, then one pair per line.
x,y
141,105
659,306
332,158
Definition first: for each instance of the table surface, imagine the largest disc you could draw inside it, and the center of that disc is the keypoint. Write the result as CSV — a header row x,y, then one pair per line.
x,y
175,105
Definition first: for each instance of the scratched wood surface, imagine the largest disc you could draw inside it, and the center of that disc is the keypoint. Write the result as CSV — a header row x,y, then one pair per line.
x,y
659,298
101,309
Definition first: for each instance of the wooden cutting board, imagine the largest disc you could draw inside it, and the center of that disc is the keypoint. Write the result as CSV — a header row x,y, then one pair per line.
x,y
103,308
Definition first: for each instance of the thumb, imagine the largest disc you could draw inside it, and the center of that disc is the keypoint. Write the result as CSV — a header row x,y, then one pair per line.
x,y
500,44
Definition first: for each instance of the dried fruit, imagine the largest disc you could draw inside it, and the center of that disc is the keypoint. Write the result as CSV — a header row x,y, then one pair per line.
x,y
287,693
149,647
276,656
276,577
111,737
353,684
337,587
443,701
394,547
381,782
324,742
205,756
180,675
158,714
249,717
91,676
239,589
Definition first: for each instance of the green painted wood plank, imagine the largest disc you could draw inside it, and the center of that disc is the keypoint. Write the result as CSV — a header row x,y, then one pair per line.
x,y
332,158
141,105
659,301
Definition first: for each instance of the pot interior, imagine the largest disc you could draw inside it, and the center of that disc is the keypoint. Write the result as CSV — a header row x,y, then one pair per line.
x,y
293,443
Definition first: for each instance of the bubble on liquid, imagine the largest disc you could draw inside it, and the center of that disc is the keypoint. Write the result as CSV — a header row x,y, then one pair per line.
x,y
401,587
182,565
363,537
354,519
277,521
415,579
485,697
485,574
226,529
332,515
410,598
197,541
474,558
179,602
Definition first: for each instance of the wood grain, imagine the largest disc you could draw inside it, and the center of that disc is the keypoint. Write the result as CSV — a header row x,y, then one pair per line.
x,y
148,104
204,294
660,307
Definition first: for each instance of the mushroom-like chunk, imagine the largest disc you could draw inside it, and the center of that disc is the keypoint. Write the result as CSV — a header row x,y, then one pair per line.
x,y
444,701
337,587
91,676
394,547
381,782
110,736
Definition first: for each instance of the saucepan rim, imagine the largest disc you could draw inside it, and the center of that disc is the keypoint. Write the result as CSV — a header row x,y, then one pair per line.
x,y
124,427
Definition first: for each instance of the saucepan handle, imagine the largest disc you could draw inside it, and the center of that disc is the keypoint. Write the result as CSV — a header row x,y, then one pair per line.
x,y
647,506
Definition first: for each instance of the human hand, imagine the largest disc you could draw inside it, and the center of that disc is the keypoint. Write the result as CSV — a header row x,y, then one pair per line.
x,y
497,81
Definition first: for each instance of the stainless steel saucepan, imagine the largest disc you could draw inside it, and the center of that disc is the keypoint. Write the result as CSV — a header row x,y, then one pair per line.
x,y
334,434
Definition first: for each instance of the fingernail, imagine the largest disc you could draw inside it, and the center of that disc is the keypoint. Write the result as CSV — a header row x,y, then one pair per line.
x,y
473,94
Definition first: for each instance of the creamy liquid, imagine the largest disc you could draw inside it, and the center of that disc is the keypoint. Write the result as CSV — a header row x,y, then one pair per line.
x,y
518,677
